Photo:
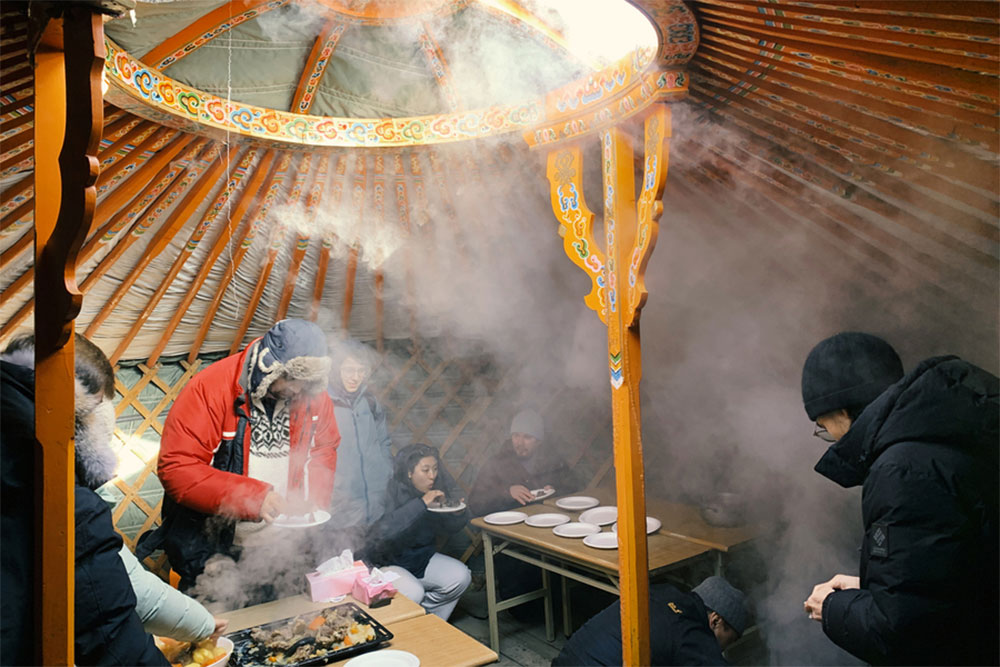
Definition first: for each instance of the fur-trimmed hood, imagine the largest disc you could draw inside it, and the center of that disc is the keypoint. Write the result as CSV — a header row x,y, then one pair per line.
x,y
293,349
96,458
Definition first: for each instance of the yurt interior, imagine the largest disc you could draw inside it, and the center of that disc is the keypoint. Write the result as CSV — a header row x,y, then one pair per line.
x,y
486,195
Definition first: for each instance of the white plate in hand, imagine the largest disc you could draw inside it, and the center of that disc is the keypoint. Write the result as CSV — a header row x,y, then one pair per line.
x,y
541,494
602,540
450,508
601,516
547,520
505,518
307,520
386,657
577,503
576,529
652,525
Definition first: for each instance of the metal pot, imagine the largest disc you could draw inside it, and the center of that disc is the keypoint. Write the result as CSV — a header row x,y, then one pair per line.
x,y
724,510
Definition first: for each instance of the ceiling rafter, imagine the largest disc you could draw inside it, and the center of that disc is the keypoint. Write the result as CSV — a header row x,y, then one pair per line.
x,y
330,239
895,140
261,207
438,66
840,165
206,28
316,64
933,116
277,239
122,165
857,154
197,188
358,214
313,199
17,105
937,269
379,223
232,182
926,49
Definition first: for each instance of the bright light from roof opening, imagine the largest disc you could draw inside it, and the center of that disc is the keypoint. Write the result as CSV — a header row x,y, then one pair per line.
x,y
598,31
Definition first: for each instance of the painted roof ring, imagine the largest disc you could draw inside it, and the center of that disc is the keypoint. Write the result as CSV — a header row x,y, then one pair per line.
x,y
645,74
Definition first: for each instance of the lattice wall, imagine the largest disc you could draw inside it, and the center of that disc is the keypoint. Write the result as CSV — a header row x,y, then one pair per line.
x,y
458,401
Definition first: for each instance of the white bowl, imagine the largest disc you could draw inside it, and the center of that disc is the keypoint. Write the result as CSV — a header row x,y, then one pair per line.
x,y
227,644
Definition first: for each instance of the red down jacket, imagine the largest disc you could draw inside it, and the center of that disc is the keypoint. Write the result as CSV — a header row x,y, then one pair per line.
x,y
203,415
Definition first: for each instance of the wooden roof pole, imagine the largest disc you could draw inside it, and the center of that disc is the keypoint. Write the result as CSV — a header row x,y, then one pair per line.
x,y
221,241
358,209
618,294
302,242
329,239
232,182
262,206
174,223
67,73
278,232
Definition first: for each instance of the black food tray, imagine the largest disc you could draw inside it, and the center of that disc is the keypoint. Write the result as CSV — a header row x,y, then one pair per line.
x,y
248,653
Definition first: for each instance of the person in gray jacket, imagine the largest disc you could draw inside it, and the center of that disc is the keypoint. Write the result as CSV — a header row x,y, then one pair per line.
x,y
364,458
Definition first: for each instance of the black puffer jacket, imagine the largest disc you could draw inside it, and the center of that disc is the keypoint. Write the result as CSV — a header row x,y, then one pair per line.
x,y
678,633
406,533
108,630
926,451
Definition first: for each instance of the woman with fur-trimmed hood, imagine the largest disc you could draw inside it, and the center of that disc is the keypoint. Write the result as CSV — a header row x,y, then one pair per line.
x,y
250,436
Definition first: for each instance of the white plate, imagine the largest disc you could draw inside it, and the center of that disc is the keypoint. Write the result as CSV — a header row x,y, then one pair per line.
x,y
505,518
302,520
652,525
577,503
547,520
600,516
386,657
576,529
542,494
602,540
457,508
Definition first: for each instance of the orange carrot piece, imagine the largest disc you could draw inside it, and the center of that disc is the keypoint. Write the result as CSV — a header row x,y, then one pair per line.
x,y
317,622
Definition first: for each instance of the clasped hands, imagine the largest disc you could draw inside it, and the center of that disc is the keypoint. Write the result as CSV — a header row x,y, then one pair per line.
x,y
814,605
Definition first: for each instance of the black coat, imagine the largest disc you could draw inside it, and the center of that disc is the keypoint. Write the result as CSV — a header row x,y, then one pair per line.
x,y
678,633
108,630
491,492
926,454
406,534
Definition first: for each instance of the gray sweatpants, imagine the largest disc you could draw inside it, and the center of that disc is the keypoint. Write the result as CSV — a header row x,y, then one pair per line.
x,y
438,591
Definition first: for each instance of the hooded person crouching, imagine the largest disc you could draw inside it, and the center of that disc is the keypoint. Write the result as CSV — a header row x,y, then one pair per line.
x,y
250,437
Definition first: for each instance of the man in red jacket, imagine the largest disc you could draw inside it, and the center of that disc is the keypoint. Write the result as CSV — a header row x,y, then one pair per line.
x,y
250,437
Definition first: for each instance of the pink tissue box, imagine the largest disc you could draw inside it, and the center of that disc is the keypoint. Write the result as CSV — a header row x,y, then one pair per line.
x,y
334,584
367,593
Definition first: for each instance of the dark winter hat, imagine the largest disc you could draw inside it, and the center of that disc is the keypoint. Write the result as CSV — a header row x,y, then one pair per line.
x,y
294,349
728,602
847,370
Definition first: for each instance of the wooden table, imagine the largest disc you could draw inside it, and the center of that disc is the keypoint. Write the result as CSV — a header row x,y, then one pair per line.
x,y
679,520
426,636
546,550
400,609
436,642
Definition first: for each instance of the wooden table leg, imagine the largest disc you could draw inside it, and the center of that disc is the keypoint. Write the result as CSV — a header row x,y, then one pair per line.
x,y
567,612
491,593
550,630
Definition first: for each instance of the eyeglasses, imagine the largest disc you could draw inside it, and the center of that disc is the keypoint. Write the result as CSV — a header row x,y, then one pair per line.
x,y
823,434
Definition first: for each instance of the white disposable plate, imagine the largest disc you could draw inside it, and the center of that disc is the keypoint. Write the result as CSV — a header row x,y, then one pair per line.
x,y
386,657
226,643
302,520
505,518
577,503
652,525
576,529
602,540
457,508
547,520
600,516
541,494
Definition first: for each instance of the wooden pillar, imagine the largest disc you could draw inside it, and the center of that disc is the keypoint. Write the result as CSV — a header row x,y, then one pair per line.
x,y
618,294
67,133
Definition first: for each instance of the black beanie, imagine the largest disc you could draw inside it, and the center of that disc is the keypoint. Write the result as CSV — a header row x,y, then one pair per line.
x,y
848,370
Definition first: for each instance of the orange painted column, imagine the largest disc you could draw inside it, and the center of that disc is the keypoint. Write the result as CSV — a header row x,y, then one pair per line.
x,y
68,64
617,295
